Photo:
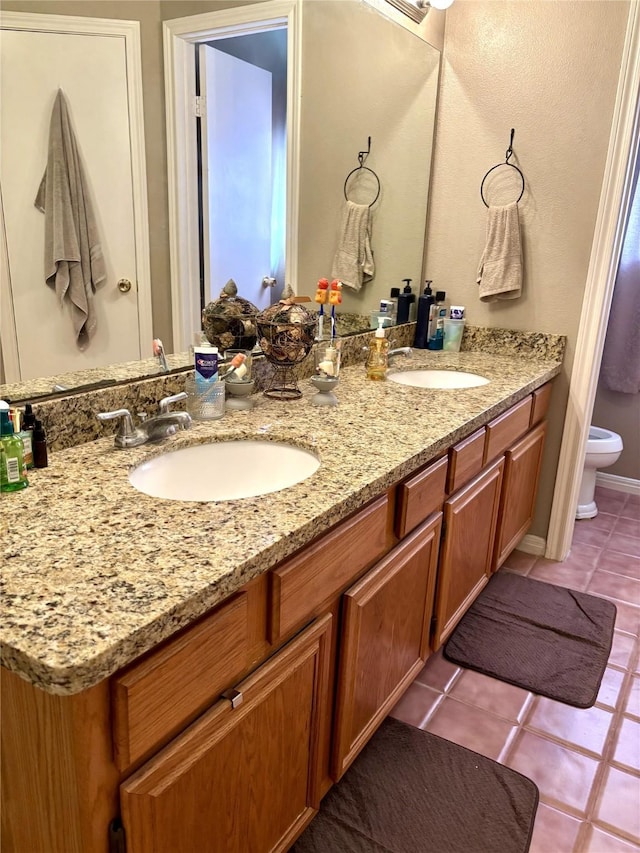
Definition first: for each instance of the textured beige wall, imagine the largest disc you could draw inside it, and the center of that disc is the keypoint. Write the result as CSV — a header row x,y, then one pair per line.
x,y
549,70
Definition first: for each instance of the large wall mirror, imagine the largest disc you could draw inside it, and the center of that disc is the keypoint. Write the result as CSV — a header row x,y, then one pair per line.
x,y
361,75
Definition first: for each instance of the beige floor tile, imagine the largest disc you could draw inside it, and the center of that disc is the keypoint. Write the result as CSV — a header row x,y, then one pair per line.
x,y
628,526
622,650
631,706
563,776
610,501
587,534
438,673
498,697
617,805
561,575
624,544
610,687
554,830
632,507
519,562
615,586
599,841
416,705
471,727
587,728
619,564
627,746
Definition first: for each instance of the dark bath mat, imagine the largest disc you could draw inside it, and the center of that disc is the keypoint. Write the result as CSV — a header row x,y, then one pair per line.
x,y
546,638
412,792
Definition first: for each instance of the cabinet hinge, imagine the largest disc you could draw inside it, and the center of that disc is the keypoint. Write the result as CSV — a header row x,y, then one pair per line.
x,y
117,837
198,105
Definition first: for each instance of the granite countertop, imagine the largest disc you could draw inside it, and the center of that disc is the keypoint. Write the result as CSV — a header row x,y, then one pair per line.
x,y
96,573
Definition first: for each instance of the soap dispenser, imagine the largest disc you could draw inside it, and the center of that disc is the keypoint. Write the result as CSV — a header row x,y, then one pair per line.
x,y
405,302
378,355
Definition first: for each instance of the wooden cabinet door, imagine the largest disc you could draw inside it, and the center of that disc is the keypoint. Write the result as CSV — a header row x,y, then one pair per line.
x,y
243,778
519,490
385,638
470,518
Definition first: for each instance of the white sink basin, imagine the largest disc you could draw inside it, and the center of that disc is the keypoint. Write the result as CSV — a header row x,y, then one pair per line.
x,y
438,379
224,471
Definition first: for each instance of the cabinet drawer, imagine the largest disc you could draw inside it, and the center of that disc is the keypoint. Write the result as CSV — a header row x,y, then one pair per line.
x,y
541,399
506,429
154,698
318,573
419,496
465,460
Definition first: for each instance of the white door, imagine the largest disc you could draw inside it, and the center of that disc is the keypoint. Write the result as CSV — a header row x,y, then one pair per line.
x,y
92,69
236,174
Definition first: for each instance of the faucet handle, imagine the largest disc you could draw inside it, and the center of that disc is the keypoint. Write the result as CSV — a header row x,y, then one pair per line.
x,y
167,401
127,435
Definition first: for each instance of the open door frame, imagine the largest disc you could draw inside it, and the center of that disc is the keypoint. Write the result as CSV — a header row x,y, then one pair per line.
x,y
179,35
603,265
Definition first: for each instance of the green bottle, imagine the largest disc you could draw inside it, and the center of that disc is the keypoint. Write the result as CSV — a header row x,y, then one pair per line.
x,y
13,474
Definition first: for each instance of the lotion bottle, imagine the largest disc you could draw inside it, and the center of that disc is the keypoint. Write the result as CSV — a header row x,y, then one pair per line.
x,y
378,355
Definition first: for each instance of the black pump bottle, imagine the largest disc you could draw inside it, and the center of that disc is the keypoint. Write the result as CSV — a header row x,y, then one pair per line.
x,y
425,301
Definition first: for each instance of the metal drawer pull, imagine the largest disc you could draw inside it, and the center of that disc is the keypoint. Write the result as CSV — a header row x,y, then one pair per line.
x,y
234,696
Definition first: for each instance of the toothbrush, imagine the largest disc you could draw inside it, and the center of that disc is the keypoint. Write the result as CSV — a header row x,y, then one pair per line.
x,y
335,298
158,351
236,366
321,297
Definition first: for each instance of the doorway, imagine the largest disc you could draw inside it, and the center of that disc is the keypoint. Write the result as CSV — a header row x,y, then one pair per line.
x,y
242,87
186,214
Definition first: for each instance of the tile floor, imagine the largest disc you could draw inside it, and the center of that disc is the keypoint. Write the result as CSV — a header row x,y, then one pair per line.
x,y
585,762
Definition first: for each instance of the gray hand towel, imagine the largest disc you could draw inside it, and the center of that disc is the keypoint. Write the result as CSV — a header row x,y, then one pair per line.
x,y
500,269
73,261
353,263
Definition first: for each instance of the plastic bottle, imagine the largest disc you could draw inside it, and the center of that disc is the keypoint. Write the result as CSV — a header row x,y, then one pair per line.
x,y
26,434
405,303
13,473
425,301
438,312
40,455
378,355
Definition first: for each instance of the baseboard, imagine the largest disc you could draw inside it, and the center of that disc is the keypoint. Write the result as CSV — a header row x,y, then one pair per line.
x,y
535,545
618,484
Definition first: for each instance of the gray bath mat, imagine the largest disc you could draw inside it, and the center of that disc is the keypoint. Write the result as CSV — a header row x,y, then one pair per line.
x,y
545,638
412,792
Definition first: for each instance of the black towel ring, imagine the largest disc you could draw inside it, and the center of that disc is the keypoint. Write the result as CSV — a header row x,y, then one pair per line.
x,y
498,166
362,155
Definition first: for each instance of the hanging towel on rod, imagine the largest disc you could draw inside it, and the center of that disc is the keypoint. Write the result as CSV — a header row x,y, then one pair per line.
x,y
500,268
73,260
353,263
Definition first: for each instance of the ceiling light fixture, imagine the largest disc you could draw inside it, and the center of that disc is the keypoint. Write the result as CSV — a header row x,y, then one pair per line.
x,y
417,9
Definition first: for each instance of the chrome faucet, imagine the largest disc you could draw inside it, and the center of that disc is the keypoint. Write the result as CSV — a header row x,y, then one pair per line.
x,y
160,426
405,351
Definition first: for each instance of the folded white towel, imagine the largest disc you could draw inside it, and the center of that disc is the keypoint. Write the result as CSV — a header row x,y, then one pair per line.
x,y
500,269
73,260
353,263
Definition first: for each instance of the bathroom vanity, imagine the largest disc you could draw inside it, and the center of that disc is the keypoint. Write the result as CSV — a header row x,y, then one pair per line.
x,y
183,677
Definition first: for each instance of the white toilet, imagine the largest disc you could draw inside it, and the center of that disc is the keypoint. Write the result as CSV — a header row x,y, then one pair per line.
x,y
603,449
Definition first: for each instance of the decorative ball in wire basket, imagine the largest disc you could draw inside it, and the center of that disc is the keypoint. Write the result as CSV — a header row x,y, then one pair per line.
x,y
230,321
286,332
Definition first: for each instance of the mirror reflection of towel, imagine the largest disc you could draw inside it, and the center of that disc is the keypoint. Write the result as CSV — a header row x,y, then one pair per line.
x,y
73,260
500,269
353,263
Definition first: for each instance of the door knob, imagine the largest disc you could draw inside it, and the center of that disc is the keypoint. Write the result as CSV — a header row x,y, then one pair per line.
x,y
124,285
267,281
